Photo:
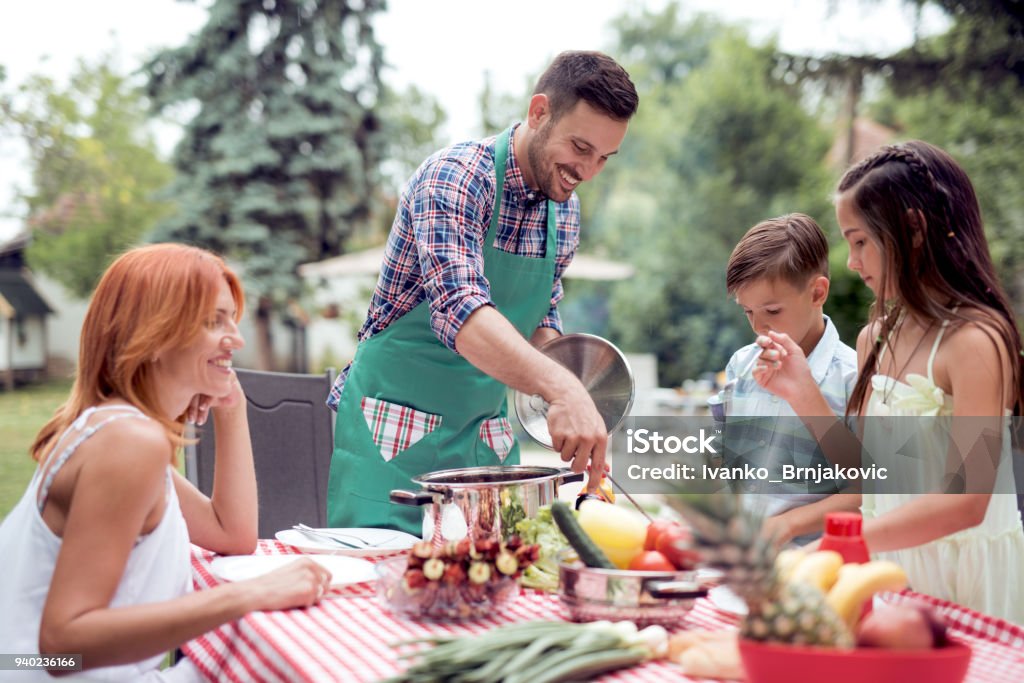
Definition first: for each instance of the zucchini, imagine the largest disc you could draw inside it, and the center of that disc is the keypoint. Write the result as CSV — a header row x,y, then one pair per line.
x,y
589,553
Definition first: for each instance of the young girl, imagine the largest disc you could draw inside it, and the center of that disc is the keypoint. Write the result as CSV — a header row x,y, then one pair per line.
x,y
941,343
96,553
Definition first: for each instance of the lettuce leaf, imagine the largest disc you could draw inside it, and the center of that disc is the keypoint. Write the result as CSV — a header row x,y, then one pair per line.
x,y
542,530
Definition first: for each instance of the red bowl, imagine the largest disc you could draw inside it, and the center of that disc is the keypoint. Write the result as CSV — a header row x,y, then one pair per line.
x,y
776,663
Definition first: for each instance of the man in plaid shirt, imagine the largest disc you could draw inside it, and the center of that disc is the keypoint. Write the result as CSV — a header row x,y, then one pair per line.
x,y
468,289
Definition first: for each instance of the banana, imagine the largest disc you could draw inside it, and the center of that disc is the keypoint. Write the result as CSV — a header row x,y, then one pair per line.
x,y
787,560
858,582
820,569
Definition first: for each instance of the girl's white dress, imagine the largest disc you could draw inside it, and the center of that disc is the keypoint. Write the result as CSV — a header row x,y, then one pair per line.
x,y
981,567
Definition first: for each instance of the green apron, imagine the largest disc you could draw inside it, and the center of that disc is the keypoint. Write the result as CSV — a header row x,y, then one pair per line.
x,y
407,366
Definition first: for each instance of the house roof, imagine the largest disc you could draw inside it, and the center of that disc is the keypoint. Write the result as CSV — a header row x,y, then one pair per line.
x,y
19,294
12,252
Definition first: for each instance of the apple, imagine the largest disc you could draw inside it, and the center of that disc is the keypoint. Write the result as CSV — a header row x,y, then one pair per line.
x,y
677,546
901,627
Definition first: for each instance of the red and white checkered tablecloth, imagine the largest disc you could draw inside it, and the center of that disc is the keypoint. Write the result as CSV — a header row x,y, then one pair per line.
x,y
349,637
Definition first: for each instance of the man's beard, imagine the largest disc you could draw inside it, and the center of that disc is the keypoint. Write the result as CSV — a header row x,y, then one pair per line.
x,y
543,172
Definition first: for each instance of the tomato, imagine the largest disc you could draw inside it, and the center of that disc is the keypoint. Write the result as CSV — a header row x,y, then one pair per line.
x,y
677,546
656,529
651,561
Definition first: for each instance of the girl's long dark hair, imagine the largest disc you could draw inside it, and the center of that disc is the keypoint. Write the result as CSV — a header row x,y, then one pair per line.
x,y
946,267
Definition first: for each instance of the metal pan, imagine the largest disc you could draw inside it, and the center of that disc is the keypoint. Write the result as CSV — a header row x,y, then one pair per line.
x,y
601,368
591,594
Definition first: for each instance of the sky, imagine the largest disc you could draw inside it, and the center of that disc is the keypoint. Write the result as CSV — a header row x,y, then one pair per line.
x,y
442,46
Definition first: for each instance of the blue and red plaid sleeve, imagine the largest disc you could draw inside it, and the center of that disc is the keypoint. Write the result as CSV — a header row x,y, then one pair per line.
x,y
449,212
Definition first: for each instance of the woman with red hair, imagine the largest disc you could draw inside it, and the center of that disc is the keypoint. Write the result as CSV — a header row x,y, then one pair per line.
x,y
96,553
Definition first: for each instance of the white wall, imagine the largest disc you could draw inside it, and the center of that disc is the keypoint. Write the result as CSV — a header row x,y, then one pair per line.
x,y
26,344
333,341
64,327
30,344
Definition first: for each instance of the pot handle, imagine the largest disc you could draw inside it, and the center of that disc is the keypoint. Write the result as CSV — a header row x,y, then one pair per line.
x,y
567,476
415,498
675,589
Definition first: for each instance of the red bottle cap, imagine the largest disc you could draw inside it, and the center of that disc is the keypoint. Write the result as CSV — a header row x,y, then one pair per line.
x,y
842,524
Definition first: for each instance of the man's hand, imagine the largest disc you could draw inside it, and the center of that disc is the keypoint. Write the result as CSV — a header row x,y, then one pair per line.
x,y
492,344
578,432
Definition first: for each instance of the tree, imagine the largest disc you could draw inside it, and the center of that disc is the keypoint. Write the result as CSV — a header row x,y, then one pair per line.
x,y
410,120
280,163
962,90
972,108
498,110
719,143
94,169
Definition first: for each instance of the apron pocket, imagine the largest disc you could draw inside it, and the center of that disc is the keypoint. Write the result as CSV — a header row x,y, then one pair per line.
x,y
395,427
497,433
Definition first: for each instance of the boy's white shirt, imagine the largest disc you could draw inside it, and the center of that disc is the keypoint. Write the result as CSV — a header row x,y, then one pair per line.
x,y
833,366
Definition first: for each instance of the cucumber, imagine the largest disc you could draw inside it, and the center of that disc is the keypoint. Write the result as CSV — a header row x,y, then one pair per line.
x,y
589,553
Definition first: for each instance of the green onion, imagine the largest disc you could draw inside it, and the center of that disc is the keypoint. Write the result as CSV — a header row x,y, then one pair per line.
x,y
533,652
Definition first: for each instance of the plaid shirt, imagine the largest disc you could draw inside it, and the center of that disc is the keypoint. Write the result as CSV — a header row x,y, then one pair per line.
x,y
775,436
435,248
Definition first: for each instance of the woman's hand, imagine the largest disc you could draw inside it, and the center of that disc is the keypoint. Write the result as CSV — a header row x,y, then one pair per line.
x,y
198,411
297,584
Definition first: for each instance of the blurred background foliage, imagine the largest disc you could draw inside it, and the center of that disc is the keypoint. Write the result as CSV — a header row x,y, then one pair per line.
x,y
294,150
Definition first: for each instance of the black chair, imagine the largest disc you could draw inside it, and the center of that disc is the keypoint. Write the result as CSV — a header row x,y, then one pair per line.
x,y
292,433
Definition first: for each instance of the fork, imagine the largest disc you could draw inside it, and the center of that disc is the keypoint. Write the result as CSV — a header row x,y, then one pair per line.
x,y
319,536
338,537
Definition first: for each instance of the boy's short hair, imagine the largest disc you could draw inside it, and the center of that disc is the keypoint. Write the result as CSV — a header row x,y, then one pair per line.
x,y
791,248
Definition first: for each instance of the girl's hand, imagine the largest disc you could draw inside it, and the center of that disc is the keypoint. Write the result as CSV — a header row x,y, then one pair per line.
x,y
297,584
199,408
783,368
777,530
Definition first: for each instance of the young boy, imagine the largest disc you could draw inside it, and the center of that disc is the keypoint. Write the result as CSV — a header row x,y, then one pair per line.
x,y
778,274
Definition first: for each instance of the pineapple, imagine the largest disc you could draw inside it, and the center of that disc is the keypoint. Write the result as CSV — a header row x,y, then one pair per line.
x,y
728,538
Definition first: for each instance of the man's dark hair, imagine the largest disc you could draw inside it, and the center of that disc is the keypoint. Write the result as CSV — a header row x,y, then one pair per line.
x,y
593,77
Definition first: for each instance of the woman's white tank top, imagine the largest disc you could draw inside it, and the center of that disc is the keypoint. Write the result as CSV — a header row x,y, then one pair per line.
x,y
158,567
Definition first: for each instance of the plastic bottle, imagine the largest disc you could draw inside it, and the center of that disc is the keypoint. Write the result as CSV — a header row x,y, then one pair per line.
x,y
842,534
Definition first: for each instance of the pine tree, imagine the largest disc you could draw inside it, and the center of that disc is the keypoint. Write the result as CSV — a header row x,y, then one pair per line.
x,y
280,162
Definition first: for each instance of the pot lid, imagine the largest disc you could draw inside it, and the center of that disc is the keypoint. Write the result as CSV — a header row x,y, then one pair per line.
x,y
601,368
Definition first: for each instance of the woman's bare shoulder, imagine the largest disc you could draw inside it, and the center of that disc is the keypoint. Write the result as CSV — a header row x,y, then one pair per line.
x,y
130,441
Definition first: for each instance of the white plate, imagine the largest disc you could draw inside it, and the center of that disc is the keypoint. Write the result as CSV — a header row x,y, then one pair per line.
x,y
344,570
383,542
724,599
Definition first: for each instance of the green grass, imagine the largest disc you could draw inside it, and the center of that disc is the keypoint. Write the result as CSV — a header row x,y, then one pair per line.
x,y
22,413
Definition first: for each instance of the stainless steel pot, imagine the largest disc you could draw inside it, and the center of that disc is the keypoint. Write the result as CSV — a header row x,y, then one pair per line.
x,y
591,594
482,502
